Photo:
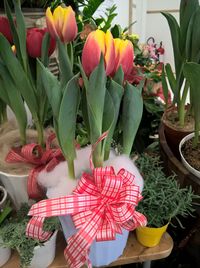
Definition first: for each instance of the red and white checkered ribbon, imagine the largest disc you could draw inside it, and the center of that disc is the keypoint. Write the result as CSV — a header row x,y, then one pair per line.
x,y
101,205
41,158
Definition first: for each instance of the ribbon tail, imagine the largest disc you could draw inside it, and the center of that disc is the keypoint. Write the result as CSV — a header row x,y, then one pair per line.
x,y
33,189
34,229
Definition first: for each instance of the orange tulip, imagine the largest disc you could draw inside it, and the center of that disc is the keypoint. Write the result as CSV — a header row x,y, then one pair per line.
x,y
98,43
124,55
62,23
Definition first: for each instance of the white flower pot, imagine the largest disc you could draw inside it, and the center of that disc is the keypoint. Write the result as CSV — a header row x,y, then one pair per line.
x,y
3,200
44,255
185,163
5,254
16,186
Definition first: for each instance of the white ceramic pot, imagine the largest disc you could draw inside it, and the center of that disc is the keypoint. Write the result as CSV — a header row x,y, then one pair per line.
x,y
44,255
185,163
16,186
5,254
3,200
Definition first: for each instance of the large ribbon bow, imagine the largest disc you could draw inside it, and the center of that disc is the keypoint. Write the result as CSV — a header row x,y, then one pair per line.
x,y
101,205
39,157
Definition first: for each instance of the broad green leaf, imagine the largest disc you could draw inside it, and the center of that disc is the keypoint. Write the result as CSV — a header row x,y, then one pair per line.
x,y
131,115
95,94
175,35
119,76
171,78
14,100
164,85
67,117
65,65
195,37
116,92
52,88
187,9
84,110
192,73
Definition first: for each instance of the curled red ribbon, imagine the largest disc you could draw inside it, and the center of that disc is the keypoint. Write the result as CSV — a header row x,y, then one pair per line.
x,y
41,158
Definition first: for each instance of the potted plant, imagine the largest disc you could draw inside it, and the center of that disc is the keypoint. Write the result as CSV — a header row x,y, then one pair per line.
x,y
20,88
189,145
32,253
104,91
5,210
177,119
163,200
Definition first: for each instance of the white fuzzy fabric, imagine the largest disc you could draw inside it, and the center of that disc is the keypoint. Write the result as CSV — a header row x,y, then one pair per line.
x,y
58,183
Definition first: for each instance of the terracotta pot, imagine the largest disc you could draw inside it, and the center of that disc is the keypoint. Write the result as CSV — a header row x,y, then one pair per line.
x,y
173,133
149,236
184,161
173,165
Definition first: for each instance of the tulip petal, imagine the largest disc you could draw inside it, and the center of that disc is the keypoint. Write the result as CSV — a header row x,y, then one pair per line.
x,y
50,23
91,55
124,55
70,29
58,17
109,53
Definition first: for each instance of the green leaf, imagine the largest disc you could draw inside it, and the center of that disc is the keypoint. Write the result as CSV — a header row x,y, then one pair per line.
x,y
131,115
95,94
53,89
193,36
119,76
192,73
164,85
65,65
175,35
12,97
115,30
67,117
90,9
171,78
84,109
116,92
187,9
18,75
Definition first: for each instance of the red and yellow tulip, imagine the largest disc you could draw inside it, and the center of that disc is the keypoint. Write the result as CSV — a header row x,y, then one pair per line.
x,y
98,43
62,23
124,55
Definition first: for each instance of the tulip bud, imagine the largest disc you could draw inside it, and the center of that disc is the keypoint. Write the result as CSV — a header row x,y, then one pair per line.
x,y
62,23
5,29
14,49
98,43
124,56
34,42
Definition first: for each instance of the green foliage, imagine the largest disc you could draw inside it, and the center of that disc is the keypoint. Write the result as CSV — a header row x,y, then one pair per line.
x,y
163,198
185,41
13,234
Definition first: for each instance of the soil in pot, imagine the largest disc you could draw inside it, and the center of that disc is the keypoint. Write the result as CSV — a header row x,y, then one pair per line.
x,y
191,154
173,131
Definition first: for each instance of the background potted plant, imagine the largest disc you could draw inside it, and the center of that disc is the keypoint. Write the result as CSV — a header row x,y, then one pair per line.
x,y
189,145
5,210
32,253
178,120
163,200
20,86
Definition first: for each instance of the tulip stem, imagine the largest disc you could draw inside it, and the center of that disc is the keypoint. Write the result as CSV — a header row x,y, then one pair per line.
x,y
40,133
71,171
97,156
70,54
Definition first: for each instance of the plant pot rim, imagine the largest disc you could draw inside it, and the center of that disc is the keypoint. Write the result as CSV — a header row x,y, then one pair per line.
x,y
5,194
13,175
48,241
152,228
186,164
